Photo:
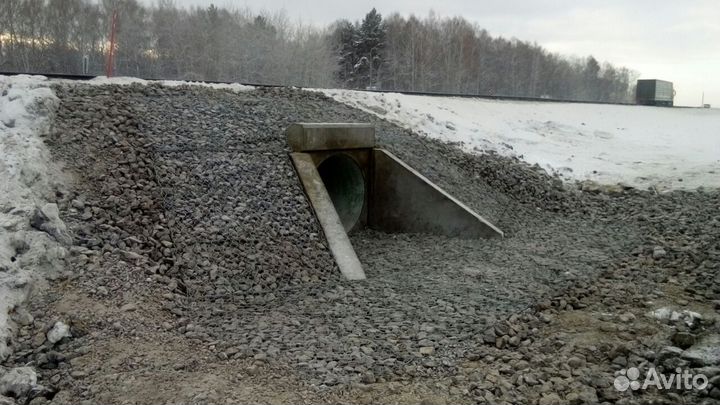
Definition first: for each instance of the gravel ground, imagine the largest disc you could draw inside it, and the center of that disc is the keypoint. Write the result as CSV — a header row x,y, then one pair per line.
x,y
199,273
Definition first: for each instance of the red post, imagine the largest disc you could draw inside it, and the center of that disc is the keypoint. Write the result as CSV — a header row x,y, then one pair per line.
x,y
111,51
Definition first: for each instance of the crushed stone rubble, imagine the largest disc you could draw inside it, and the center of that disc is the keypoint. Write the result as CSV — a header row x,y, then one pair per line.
x,y
189,230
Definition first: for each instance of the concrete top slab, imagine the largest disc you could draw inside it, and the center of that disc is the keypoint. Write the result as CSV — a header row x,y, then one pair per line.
x,y
306,137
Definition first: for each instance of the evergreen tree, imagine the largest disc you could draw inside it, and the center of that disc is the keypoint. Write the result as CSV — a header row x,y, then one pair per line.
x,y
369,47
345,38
359,48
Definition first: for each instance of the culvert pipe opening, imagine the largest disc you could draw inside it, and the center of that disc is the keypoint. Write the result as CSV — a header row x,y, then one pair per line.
x,y
345,185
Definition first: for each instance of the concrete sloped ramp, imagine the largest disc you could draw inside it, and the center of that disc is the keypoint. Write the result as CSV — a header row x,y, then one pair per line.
x,y
353,185
331,223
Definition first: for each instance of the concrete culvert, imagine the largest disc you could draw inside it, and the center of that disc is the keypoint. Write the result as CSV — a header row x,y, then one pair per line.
x,y
345,184
352,184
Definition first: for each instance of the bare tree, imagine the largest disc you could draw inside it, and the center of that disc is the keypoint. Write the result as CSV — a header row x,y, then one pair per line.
x,y
452,55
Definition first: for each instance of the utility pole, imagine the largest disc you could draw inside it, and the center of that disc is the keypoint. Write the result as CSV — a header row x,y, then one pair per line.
x,y
111,51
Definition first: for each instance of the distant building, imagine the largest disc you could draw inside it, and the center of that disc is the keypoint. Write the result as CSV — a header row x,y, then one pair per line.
x,y
654,92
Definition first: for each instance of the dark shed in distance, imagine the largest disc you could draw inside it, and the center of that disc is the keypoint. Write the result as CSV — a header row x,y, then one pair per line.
x,y
654,92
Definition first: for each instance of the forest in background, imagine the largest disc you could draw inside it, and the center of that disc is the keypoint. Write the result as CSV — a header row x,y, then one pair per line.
x,y
210,43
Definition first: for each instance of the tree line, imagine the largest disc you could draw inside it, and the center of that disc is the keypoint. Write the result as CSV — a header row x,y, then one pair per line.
x,y
452,55
163,41
211,43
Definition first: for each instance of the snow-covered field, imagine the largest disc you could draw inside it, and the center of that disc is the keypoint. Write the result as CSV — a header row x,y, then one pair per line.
x,y
667,148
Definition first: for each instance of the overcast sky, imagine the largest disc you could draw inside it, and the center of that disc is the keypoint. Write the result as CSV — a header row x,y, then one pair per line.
x,y
673,40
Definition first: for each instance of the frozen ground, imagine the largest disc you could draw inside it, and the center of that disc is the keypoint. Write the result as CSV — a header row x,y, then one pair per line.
x,y
676,148
199,274
28,181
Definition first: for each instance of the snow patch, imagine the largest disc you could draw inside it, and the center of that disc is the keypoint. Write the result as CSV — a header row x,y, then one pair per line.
x,y
669,315
58,332
29,181
18,382
122,80
665,148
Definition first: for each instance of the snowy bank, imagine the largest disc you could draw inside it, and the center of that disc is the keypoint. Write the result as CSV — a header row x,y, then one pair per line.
x,y
28,217
667,148
124,80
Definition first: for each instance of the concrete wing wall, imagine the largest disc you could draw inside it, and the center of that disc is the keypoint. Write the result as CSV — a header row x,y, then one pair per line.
x,y
403,200
333,228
